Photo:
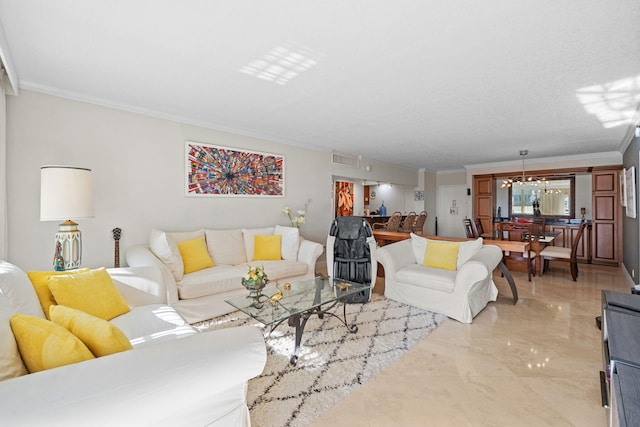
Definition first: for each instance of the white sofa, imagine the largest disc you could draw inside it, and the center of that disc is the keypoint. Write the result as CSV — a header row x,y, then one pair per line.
x,y
173,376
201,295
460,294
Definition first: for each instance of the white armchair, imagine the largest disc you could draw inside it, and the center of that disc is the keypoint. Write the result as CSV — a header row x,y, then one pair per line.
x,y
460,294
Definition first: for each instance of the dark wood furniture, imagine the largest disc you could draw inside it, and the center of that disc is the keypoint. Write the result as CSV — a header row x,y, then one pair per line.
x,y
555,253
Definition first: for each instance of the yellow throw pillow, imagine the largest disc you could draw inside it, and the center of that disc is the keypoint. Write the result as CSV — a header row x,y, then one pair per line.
x,y
267,247
100,336
92,292
39,282
195,255
45,345
441,255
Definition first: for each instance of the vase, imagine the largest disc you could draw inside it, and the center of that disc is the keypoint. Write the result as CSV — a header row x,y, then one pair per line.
x,y
254,287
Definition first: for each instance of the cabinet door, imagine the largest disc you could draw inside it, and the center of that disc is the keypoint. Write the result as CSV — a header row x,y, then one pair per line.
x,y
561,239
483,195
607,238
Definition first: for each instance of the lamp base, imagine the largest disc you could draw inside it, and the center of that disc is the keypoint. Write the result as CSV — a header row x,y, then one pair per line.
x,y
70,240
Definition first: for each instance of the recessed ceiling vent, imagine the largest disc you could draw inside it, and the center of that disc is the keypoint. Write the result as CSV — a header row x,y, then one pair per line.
x,y
345,159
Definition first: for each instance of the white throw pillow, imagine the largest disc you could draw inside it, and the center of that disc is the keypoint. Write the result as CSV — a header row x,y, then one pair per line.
x,y
249,234
226,247
467,250
17,295
290,241
165,246
419,246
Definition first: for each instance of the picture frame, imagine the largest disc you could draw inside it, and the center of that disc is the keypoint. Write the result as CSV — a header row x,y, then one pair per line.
x,y
219,171
418,195
630,190
623,191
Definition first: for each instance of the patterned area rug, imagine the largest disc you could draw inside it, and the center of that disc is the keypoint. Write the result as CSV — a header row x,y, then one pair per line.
x,y
333,362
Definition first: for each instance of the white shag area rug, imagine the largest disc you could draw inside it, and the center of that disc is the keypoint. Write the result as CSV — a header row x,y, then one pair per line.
x,y
333,362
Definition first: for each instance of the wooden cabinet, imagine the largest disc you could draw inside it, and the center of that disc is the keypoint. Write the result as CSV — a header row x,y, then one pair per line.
x,y
483,200
606,217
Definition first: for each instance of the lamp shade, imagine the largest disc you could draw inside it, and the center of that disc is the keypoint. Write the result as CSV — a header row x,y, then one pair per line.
x,y
66,192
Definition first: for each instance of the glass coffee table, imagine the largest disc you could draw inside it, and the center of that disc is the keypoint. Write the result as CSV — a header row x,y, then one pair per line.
x,y
297,302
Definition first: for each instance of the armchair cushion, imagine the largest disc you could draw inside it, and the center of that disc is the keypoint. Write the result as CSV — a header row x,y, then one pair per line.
x,y
441,255
100,336
195,256
467,249
93,292
45,345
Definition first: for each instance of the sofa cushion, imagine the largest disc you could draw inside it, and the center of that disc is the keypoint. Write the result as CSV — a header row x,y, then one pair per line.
x,y
165,246
17,288
11,365
248,234
210,281
267,247
45,345
226,247
427,277
279,269
290,241
93,292
40,282
101,337
441,255
151,324
195,256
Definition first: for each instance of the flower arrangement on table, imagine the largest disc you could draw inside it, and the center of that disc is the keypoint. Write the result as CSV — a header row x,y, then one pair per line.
x,y
297,221
255,280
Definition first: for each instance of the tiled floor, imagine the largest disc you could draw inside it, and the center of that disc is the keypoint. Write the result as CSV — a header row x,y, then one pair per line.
x,y
535,363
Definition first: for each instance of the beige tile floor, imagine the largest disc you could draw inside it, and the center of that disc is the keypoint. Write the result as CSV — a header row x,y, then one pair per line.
x,y
535,363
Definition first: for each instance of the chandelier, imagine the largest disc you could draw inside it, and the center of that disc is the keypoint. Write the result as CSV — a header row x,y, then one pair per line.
x,y
521,180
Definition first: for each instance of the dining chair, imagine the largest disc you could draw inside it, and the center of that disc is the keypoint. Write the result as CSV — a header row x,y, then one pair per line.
x,y
407,224
468,228
479,227
418,226
521,232
391,225
558,253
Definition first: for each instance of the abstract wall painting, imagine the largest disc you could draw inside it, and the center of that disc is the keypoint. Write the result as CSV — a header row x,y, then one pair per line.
x,y
630,189
213,170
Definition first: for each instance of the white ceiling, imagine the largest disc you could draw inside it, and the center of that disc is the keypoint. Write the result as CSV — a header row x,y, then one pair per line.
x,y
433,84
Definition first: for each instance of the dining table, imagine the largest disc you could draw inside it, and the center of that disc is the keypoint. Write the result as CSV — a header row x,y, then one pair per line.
x,y
384,237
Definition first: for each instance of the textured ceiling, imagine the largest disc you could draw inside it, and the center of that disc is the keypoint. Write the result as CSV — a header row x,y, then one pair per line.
x,y
433,84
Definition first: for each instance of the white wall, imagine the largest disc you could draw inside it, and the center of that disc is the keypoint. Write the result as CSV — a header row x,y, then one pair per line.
x,y
138,172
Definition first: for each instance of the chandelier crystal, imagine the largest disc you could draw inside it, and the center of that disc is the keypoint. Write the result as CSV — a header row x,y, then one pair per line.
x,y
521,180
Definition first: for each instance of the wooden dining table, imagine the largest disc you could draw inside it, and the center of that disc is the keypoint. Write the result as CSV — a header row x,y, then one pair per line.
x,y
384,237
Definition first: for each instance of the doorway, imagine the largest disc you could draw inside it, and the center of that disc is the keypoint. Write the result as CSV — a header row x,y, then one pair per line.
x,y
453,206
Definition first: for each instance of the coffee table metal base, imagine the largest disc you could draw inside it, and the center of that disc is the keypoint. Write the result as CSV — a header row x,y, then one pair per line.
x,y
299,321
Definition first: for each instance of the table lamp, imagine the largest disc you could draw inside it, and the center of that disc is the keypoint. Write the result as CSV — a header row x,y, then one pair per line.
x,y
66,192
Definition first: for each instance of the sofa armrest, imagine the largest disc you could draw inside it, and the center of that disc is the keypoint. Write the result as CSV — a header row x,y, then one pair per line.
x,y
191,381
395,256
141,256
309,252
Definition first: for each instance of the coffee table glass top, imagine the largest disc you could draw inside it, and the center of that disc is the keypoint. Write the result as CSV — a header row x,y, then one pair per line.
x,y
301,297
